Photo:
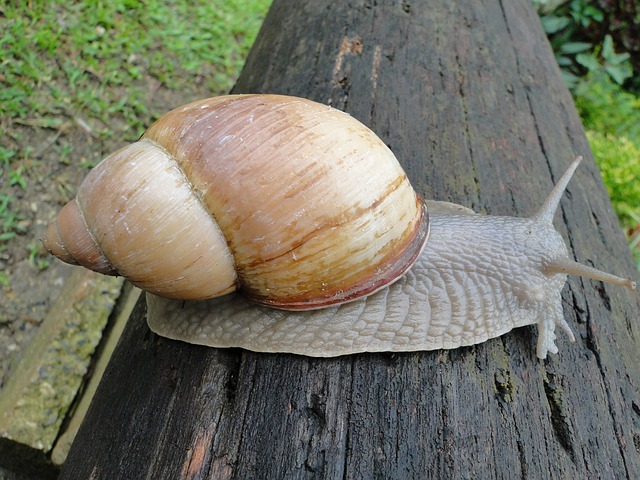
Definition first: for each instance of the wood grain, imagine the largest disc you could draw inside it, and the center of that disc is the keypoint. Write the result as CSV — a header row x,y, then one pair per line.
x,y
468,96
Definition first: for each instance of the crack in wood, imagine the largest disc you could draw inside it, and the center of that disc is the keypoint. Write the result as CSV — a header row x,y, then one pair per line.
x,y
559,422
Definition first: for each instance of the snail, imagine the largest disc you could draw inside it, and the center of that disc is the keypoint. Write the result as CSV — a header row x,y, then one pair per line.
x,y
308,214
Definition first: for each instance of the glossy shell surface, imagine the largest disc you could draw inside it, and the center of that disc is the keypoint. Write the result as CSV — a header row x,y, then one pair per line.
x,y
296,203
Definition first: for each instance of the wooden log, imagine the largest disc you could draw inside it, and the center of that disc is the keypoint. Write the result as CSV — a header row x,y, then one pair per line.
x,y
469,97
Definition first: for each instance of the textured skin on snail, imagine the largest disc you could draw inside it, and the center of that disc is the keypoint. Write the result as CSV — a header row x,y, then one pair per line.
x,y
271,170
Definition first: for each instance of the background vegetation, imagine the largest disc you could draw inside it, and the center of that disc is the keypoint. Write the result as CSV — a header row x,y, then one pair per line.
x,y
597,45
93,73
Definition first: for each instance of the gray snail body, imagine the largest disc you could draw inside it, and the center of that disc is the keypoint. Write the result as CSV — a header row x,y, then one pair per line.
x,y
476,278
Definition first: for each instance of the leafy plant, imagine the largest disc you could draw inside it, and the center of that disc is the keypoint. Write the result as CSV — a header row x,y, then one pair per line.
x,y
582,39
567,27
36,257
89,59
619,160
6,155
611,117
16,177
605,107
9,220
616,65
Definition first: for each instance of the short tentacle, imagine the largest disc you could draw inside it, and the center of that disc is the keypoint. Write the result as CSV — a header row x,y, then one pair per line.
x,y
551,317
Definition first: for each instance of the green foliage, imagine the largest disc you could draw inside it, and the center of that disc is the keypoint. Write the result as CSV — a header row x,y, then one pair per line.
x,y
619,162
16,177
37,257
567,25
10,224
605,107
85,49
612,119
605,58
595,70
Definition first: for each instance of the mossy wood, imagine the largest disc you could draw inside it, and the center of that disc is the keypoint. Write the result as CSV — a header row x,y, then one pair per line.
x,y
469,97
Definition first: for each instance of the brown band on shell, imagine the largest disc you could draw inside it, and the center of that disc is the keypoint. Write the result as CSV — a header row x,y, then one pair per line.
x,y
377,278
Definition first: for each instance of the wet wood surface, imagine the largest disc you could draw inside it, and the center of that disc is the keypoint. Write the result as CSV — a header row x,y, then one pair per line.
x,y
468,96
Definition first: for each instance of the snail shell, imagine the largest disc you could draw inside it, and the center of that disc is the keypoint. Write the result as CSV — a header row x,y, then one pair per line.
x,y
297,204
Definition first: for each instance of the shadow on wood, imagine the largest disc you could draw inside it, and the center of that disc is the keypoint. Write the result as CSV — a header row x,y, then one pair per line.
x,y
468,96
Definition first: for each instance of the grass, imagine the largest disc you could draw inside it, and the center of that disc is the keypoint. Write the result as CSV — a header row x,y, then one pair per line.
x,y
93,66
82,50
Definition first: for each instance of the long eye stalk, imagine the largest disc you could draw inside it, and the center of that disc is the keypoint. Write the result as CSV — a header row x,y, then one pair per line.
x,y
569,267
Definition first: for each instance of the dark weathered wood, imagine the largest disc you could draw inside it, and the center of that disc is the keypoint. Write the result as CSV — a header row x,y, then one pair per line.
x,y
468,95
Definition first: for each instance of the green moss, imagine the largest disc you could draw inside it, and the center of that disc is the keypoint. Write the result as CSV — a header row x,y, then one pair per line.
x,y
35,401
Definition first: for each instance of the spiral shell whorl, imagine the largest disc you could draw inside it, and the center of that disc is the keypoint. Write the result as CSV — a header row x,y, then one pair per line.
x,y
144,216
68,239
306,204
